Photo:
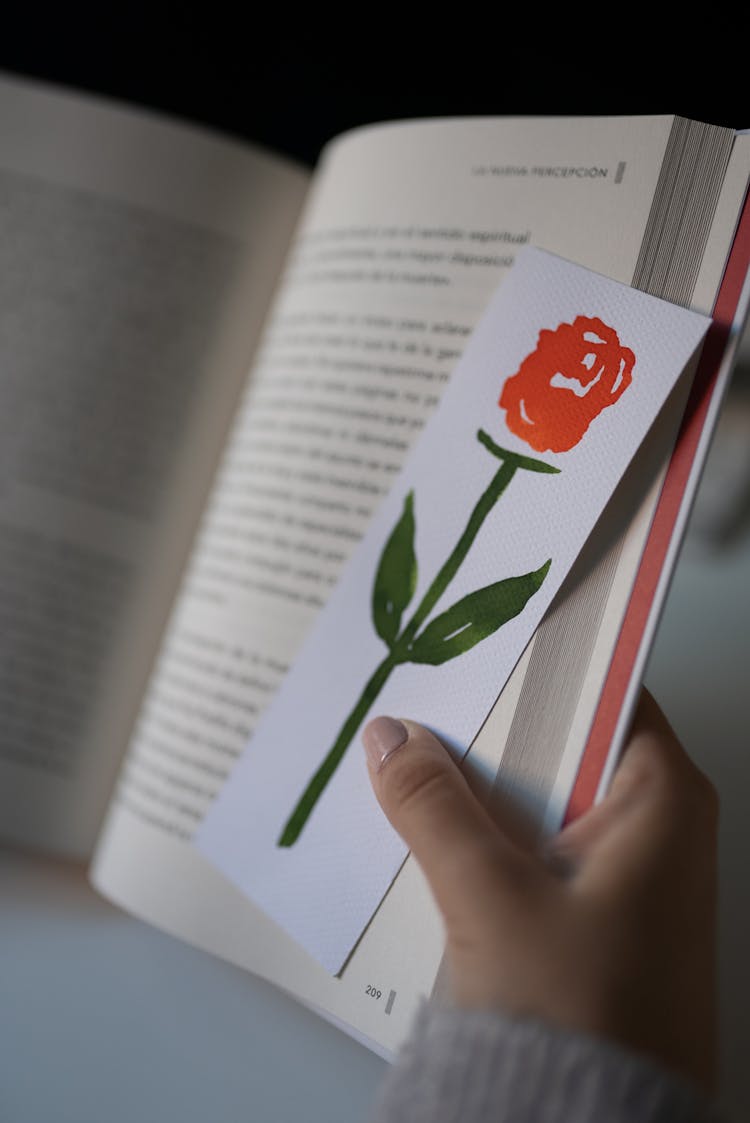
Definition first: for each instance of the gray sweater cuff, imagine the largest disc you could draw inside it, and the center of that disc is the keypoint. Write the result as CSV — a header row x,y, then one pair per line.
x,y
481,1066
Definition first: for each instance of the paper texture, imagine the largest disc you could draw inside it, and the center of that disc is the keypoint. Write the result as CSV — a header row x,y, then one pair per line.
x,y
575,416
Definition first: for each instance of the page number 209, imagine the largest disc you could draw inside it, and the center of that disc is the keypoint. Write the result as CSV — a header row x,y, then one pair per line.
x,y
374,992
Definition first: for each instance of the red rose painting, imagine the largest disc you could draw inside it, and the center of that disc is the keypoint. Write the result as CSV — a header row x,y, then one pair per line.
x,y
575,372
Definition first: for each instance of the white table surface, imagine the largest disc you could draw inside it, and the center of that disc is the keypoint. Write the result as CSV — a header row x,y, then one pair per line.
x,y
105,1020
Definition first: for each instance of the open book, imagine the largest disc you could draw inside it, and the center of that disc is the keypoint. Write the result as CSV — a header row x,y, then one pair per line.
x,y
214,365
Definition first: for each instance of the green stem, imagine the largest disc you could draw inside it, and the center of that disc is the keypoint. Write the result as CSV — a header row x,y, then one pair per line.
x,y
312,792
486,502
511,461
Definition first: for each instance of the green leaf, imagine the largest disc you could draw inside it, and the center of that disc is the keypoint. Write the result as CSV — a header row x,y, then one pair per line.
x,y
475,617
396,578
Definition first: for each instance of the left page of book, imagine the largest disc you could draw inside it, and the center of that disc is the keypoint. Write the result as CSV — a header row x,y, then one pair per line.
x,y
139,256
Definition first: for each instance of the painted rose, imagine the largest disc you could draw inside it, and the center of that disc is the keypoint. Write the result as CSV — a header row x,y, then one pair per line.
x,y
575,372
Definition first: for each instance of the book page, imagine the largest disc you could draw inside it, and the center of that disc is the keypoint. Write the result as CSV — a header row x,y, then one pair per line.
x,y
138,261
408,231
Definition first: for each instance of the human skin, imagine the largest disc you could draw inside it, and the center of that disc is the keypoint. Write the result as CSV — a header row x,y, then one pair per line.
x,y
608,929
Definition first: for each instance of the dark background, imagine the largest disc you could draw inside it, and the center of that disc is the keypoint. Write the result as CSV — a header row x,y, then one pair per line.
x,y
292,80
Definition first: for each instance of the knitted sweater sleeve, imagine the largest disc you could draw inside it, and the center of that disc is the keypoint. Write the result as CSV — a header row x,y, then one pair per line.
x,y
482,1067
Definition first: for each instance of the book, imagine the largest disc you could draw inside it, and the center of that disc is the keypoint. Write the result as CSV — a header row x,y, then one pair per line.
x,y
217,363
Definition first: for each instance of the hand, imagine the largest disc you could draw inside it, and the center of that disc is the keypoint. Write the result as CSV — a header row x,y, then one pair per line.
x,y
622,944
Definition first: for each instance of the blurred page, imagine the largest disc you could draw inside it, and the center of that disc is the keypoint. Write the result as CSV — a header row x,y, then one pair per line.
x,y
138,261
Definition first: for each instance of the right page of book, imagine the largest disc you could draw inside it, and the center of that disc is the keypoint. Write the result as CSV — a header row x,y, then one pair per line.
x,y
409,229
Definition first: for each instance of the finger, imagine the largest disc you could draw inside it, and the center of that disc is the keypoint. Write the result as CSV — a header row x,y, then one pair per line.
x,y
658,799
465,857
653,755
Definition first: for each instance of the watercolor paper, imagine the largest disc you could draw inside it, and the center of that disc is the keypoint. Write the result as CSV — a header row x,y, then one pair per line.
x,y
556,390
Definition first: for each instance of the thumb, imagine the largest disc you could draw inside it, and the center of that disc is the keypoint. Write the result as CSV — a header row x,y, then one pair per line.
x,y
463,854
